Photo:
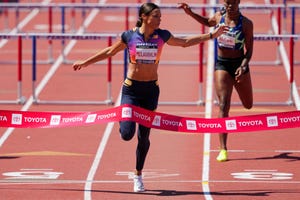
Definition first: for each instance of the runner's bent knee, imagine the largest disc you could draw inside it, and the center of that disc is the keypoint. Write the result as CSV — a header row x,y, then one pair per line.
x,y
127,130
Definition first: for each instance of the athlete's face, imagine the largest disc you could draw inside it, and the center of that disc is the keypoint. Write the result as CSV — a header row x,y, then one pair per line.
x,y
153,20
231,6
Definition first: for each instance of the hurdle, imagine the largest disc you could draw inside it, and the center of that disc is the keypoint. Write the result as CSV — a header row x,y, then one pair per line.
x,y
83,6
287,61
34,37
163,6
20,36
20,98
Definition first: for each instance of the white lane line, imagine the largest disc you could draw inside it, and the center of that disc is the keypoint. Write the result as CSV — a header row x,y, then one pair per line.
x,y
208,114
16,182
99,154
102,145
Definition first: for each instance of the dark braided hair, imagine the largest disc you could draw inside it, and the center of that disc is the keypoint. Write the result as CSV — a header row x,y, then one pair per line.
x,y
146,9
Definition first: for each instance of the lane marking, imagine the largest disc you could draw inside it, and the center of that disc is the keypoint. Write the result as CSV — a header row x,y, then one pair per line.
x,y
262,175
44,153
208,114
99,154
32,174
69,181
148,174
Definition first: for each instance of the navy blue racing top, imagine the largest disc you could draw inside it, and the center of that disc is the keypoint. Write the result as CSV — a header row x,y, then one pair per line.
x,y
234,38
141,51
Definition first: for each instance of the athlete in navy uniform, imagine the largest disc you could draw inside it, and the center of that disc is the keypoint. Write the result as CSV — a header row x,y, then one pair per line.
x,y
232,66
144,44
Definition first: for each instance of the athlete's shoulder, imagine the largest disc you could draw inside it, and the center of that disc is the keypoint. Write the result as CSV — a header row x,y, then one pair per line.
x,y
130,31
247,20
126,35
162,30
163,33
247,23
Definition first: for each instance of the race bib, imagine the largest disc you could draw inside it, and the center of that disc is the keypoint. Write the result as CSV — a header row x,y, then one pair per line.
x,y
146,54
227,40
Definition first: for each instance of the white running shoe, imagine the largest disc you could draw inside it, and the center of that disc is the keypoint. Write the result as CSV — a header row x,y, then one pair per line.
x,y
138,185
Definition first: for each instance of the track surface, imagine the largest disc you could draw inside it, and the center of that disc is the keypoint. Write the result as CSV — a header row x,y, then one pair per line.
x,y
92,162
